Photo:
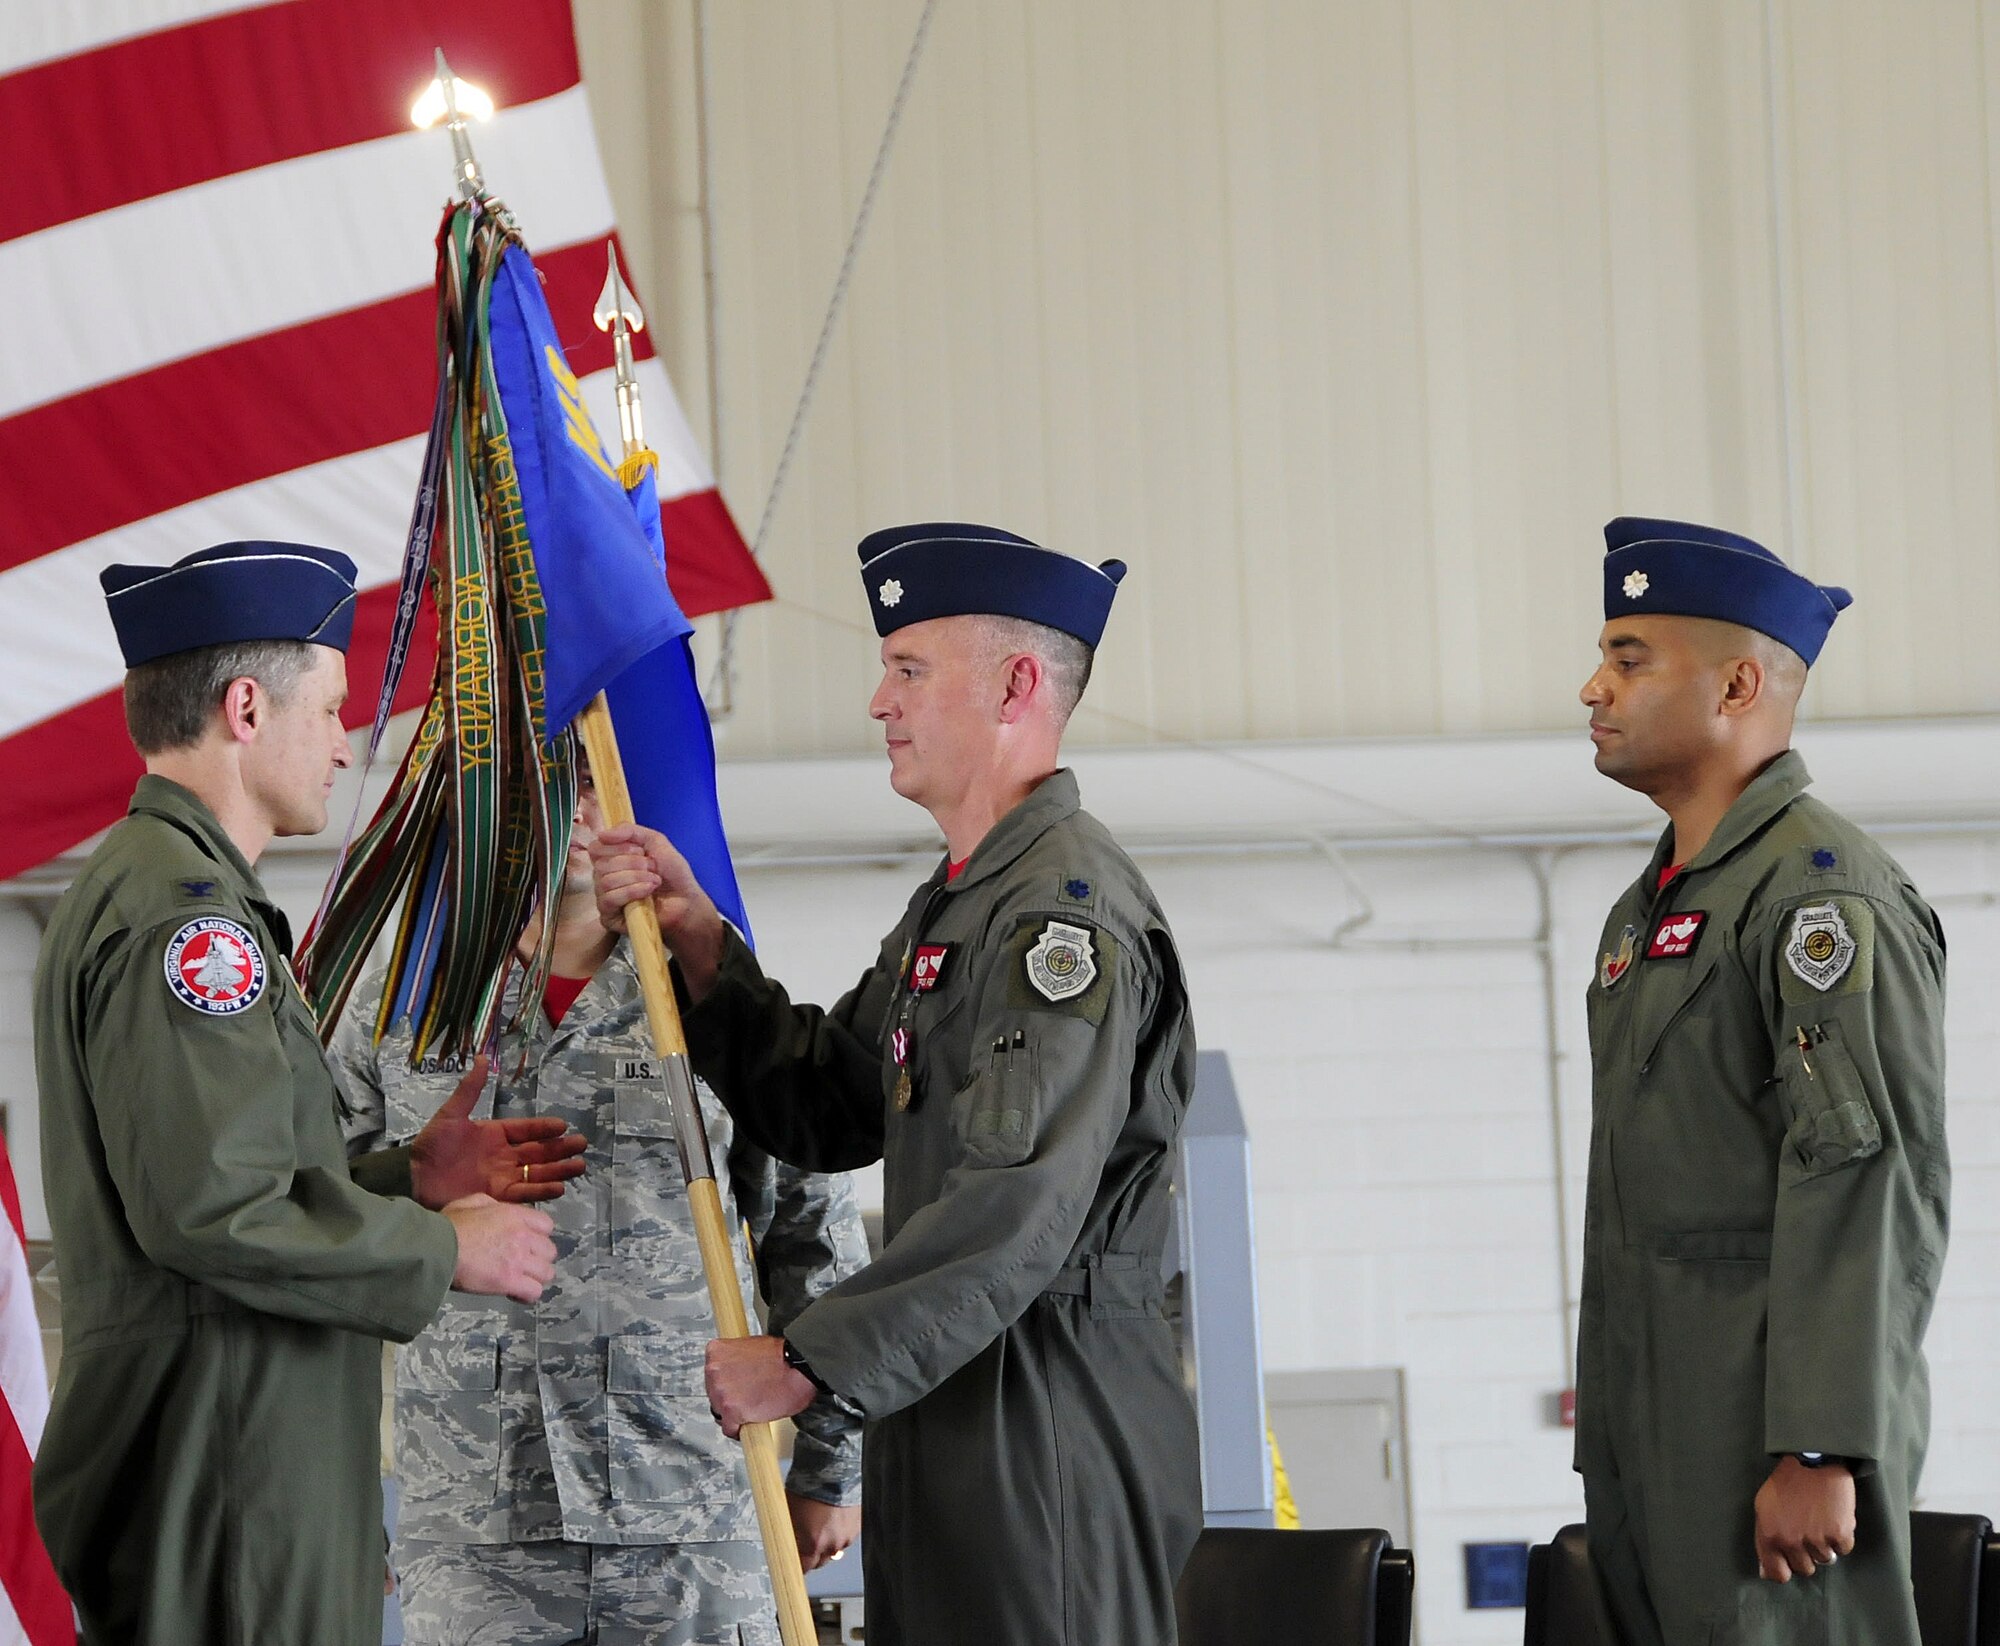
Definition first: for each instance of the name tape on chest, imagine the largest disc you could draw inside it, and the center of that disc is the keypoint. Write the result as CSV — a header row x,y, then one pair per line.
x,y
215,967
1062,964
1676,935
927,966
1820,949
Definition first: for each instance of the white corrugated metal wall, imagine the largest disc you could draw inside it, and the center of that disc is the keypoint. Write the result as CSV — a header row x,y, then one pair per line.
x,y
1346,324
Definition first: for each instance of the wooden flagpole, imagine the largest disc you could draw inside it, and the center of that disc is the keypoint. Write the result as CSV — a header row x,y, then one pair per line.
x,y
718,1259
618,313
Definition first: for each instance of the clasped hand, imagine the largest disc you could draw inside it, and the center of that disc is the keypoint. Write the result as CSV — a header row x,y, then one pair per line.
x,y
1805,1519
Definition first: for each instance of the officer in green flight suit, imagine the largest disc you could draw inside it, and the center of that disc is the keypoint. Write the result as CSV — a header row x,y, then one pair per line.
x,y
1768,1177
1019,1055
208,1474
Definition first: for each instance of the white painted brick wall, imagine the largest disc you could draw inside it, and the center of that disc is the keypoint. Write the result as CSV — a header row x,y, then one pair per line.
x,y
1402,1142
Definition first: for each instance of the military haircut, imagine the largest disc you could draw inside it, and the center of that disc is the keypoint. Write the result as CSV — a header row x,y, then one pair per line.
x,y
1066,658
1784,669
169,701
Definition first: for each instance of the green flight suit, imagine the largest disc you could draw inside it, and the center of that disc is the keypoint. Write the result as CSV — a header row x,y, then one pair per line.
x,y
1766,1222
209,1472
1020,1058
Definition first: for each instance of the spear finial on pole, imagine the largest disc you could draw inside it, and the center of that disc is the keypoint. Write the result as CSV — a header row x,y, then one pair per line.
x,y
456,102
618,313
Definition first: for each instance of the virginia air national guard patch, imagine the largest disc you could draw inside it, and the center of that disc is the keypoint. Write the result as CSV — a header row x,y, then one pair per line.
x,y
1831,943
214,966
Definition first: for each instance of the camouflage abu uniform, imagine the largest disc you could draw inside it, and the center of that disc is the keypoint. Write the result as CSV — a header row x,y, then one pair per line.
x,y
582,1420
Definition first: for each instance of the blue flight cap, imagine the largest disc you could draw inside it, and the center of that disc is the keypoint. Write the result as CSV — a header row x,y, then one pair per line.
x,y
944,568
1673,568
230,593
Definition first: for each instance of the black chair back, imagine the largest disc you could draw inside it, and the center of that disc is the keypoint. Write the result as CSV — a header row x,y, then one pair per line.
x,y
1989,1594
1954,1572
1947,1553
1244,1586
1564,1607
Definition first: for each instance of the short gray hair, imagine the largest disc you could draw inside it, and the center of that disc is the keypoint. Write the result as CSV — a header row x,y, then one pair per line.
x,y
170,701
1066,658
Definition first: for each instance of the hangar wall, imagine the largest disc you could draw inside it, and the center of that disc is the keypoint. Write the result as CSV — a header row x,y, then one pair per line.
x,y
1361,929
1406,1196
1346,324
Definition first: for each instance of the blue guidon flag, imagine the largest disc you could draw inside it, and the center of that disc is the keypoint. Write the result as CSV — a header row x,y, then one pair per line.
x,y
551,584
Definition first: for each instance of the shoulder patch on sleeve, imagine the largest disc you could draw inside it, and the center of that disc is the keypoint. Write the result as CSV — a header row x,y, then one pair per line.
x,y
1828,948
215,967
1065,964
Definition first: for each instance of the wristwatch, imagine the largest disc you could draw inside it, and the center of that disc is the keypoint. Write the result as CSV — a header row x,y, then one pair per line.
x,y
1817,1460
799,1364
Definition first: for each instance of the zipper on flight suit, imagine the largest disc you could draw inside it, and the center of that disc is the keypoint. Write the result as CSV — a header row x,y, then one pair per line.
x,y
1657,908
903,1004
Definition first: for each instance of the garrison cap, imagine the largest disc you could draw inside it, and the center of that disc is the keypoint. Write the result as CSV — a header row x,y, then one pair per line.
x,y
1671,567
945,568
231,593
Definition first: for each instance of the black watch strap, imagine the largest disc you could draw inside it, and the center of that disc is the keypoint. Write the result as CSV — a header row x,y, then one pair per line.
x,y
803,1367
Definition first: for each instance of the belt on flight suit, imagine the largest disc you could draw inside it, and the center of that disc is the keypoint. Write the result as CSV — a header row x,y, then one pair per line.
x,y
1114,1282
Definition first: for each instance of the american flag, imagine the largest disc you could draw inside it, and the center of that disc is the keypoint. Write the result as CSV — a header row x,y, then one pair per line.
x,y
33,1607
215,272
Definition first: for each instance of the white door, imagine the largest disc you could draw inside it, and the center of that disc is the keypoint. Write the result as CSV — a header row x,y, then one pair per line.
x,y
1341,1436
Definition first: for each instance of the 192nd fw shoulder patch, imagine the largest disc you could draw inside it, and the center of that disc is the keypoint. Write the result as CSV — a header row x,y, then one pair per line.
x,y
1829,948
214,966
1064,964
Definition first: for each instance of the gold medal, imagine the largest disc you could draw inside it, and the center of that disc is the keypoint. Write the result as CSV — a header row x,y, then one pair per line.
x,y
902,1090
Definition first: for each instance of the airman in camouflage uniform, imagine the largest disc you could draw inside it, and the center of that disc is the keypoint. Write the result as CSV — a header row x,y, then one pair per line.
x,y
562,1458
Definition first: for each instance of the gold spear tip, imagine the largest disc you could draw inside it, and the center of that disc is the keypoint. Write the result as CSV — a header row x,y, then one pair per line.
x,y
616,299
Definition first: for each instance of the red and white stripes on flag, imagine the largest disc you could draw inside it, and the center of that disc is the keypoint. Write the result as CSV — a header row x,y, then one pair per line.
x,y
33,1607
215,271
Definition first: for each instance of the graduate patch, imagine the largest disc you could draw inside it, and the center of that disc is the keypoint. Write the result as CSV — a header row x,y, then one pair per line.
x,y
1062,965
1614,965
215,966
1820,948
928,966
1675,936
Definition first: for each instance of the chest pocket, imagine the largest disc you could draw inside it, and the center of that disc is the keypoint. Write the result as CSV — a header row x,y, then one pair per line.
x,y
319,1104
650,1222
1669,999
939,1055
1830,1121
